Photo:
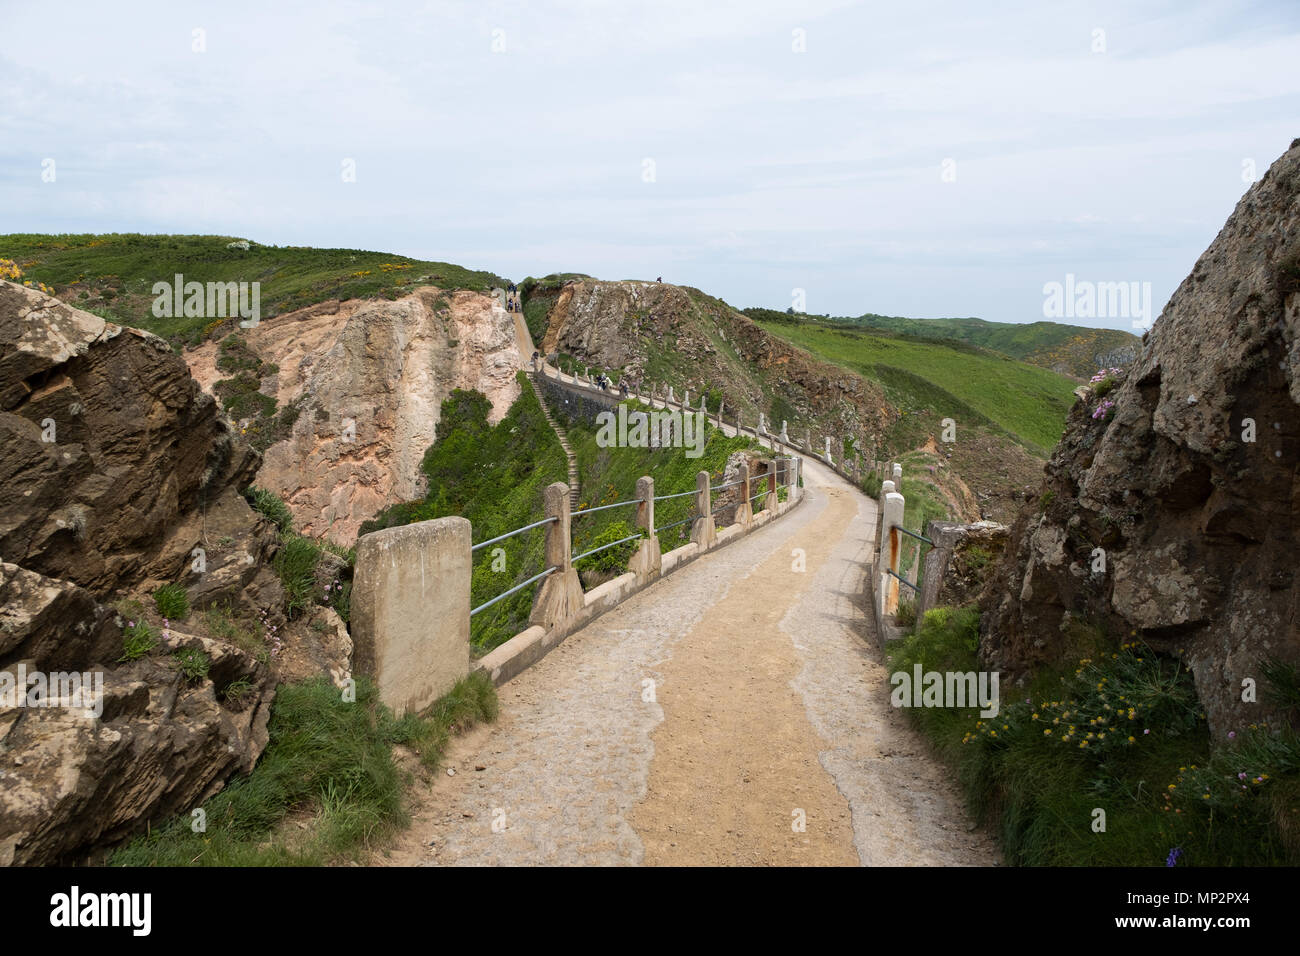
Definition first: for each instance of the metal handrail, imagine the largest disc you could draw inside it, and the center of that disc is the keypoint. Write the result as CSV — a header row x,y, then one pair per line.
x,y
587,554
517,587
730,484
508,534
680,494
890,572
617,504
913,534
675,524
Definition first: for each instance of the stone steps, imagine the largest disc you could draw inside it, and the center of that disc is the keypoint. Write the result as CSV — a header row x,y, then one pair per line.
x,y
564,441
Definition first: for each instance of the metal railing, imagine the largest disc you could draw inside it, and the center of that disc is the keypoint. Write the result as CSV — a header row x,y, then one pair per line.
x,y
511,534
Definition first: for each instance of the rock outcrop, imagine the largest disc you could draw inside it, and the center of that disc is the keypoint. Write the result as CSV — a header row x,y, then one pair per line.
x,y
633,326
115,470
1171,510
368,379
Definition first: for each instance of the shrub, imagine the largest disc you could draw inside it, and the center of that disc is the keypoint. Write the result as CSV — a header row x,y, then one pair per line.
x,y
193,663
272,506
172,602
613,559
295,563
138,639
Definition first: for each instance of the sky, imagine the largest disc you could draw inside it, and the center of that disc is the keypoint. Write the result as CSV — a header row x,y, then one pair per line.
x,y
919,159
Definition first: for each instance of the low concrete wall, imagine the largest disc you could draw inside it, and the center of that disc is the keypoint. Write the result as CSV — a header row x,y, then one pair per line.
x,y
528,647
410,610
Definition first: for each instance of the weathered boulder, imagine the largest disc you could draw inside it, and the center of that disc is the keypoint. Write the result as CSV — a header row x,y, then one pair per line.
x,y
1171,506
161,743
110,454
117,473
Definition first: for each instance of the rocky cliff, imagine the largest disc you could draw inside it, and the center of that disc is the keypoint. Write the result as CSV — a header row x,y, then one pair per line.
x,y
116,471
367,379
674,335
1171,506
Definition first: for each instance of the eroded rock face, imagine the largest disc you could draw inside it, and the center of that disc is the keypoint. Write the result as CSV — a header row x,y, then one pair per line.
x,y
71,779
109,451
611,324
1198,525
114,468
369,379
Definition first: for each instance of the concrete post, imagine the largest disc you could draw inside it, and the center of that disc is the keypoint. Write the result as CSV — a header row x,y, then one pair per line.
x,y
670,395
762,427
703,531
646,563
686,398
898,475
829,459
770,502
891,519
744,511
560,597
410,610
785,435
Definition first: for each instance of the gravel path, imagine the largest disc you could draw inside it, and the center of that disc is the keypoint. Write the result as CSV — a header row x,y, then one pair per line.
x,y
768,702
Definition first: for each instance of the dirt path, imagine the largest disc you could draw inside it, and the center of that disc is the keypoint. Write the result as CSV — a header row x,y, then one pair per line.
x,y
769,709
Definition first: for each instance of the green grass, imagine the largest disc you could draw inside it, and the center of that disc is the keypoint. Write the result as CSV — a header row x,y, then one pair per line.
x,y
115,273
295,563
172,602
193,663
1076,349
950,379
1121,731
270,504
138,639
327,758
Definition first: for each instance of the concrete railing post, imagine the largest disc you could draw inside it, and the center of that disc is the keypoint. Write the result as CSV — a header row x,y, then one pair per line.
x,y
410,610
646,563
560,597
703,531
744,511
891,519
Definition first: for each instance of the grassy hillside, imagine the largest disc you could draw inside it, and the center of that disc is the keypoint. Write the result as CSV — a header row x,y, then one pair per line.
x,y
1069,349
970,385
113,274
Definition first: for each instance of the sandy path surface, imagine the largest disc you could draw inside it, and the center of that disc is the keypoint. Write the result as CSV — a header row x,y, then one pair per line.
x,y
735,713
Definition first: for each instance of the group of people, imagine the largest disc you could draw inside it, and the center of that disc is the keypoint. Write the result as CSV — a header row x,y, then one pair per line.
x,y
512,298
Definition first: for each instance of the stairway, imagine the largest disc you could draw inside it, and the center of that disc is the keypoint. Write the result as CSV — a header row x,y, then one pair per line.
x,y
564,441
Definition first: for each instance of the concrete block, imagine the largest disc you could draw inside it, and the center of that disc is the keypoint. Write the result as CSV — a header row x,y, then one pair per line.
x,y
410,610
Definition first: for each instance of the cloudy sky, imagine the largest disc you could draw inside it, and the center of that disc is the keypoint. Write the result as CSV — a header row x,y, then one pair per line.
x,y
926,159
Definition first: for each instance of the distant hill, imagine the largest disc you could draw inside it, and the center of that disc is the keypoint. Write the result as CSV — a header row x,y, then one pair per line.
x,y
113,274
945,377
1068,349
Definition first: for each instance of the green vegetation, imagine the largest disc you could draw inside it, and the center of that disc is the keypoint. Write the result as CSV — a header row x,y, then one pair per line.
x,y
115,274
193,663
261,425
946,379
1071,349
172,602
326,757
223,625
494,475
610,475
1121,731
295,563
613,560
270,505
139,637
